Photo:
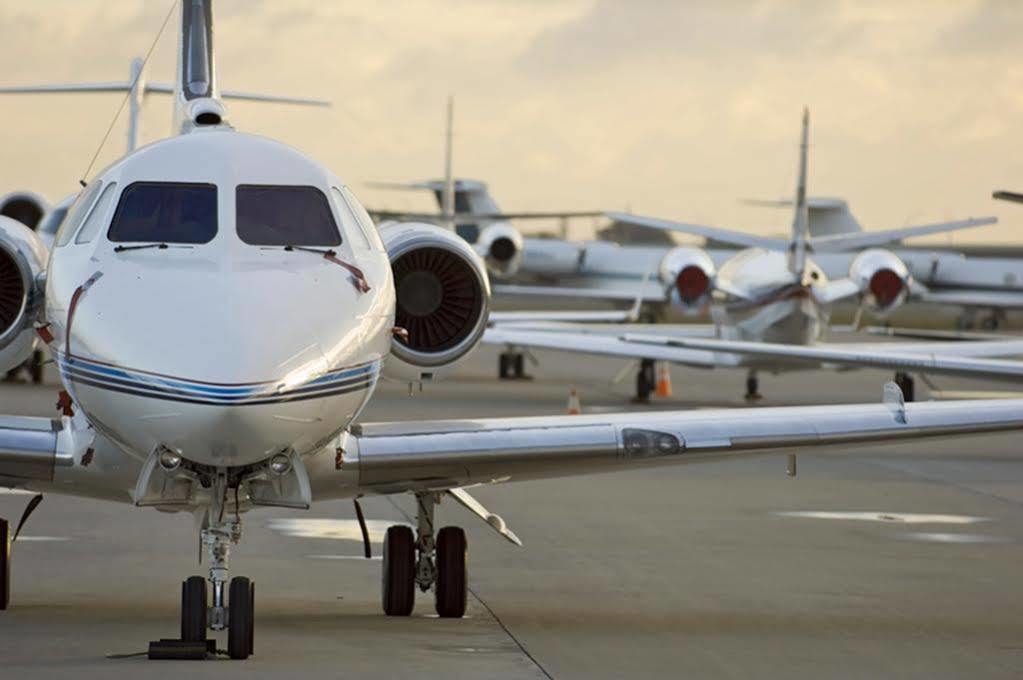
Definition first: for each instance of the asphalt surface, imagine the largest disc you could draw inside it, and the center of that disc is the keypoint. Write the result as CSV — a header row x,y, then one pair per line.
x,y
681,572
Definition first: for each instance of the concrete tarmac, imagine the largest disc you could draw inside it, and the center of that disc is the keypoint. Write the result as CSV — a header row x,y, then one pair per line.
x,y
897,561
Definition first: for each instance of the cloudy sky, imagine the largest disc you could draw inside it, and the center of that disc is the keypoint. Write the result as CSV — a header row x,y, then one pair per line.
x,y
671,108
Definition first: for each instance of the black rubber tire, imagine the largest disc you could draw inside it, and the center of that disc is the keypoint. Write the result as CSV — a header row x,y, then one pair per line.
x,y
520,366
645,381
37,367
193,609
907,385
503,366
399,571
252,623
240,619
5,564
452,573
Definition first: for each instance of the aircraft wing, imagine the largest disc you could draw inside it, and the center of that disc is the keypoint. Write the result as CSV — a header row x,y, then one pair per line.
x,y
1004,299
474,217
567,316
716,233
440,455
593,341
871,239
965,359
646,292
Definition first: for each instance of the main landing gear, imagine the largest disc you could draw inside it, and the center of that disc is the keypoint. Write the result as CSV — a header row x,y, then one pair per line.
x,y
753,387
425,562
511,365
233,603
906,384
646,381
7,538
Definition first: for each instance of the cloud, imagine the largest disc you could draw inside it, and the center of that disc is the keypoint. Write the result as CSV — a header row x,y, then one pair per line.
x,y
612,32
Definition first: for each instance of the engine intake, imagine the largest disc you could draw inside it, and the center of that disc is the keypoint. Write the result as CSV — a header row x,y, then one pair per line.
x,y
500,246
25,207
883,280
443,299
22,259
689,275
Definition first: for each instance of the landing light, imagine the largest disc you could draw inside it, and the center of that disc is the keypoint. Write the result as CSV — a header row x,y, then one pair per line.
x,y
280,464
169,460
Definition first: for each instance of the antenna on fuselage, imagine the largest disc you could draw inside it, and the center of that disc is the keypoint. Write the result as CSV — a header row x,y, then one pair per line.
x,y
801,219
447,207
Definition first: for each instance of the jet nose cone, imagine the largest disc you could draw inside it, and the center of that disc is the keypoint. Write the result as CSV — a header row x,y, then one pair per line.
x,y
228,370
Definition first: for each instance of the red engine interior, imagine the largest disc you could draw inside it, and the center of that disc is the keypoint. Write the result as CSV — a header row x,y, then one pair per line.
x,y
692,284
886,286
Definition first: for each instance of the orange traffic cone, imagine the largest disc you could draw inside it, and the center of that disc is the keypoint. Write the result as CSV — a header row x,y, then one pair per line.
x,y
574,408
663,380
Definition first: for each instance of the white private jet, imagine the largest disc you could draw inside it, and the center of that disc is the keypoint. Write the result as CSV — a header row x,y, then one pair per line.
x,y
770,304
221,307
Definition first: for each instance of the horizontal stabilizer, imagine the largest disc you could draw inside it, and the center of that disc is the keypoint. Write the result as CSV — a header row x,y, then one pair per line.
x,y
153,88
737,238
871,239
1008,196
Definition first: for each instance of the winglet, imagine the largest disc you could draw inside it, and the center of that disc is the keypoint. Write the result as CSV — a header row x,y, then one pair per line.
x,y
895,401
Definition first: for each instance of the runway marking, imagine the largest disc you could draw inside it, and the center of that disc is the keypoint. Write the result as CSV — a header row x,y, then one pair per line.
x,y
336,529
937,537
41,539
891,517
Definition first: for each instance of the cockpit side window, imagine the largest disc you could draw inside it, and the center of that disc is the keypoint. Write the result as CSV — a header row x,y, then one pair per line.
x,y
285,216
356,235
97,218
365,221
166,212
78,211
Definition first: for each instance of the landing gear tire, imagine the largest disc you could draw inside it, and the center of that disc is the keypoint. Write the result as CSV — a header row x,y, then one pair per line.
x,y
906,384
753,388
399,571
452,573
37,367
5,564
241,619
512,366
646,381
193,609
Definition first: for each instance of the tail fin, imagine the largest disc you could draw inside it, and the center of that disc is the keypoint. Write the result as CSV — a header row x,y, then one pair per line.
x,y
448,192
801,219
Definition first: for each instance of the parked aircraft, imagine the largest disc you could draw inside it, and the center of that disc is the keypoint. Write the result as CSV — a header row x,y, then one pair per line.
x,y
770,304
221,307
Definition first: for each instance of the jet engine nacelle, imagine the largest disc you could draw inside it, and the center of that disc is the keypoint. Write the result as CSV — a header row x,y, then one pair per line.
x,y
22,261
500,246
25,207
443,300
688,274
883,280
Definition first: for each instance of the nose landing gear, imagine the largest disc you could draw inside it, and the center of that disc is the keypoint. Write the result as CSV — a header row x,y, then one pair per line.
x,y
427,562
233,603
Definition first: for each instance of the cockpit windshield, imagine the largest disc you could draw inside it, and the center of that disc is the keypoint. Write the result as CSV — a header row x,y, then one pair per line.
x,y
285,216
168,212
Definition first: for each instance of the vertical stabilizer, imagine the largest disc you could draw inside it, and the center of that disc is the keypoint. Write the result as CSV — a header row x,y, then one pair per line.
x,y
448,192
196,96
801,219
